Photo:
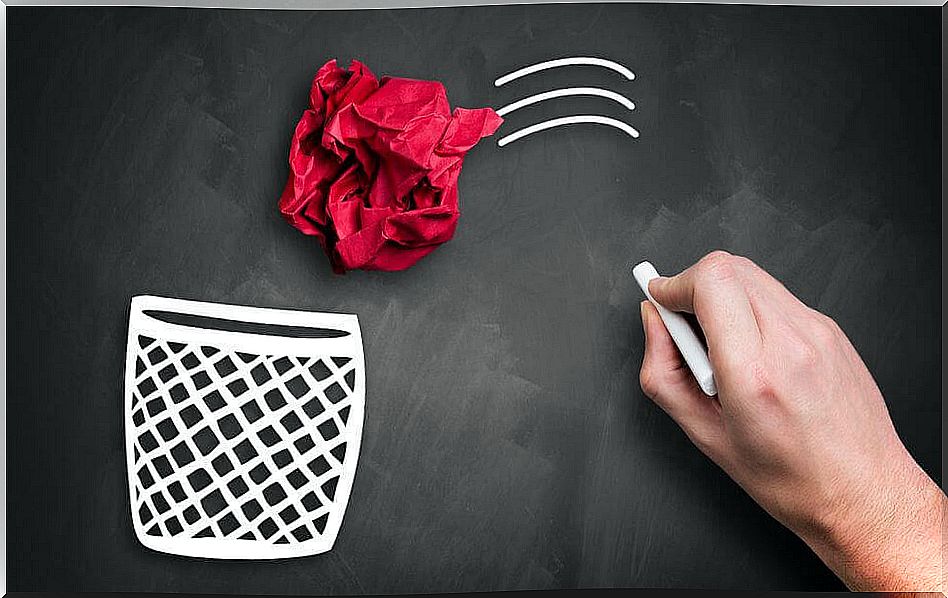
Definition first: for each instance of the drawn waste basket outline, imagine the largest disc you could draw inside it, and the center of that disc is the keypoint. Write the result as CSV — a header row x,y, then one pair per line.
x,y
242,427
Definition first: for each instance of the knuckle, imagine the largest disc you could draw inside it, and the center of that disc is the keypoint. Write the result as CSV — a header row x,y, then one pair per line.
x,y
648,381
834,327
762,382
806,354
824,329
716,257
717,266
798,349
747,263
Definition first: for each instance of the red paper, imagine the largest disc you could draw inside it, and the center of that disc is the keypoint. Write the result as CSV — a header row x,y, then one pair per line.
x,y
374,167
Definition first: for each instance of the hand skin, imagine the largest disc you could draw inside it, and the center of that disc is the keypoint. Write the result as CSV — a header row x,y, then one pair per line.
x,y
799,424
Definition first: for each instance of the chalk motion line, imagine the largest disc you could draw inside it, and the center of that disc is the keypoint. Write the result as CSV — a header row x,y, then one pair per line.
x,y
569,91
576,60
568,120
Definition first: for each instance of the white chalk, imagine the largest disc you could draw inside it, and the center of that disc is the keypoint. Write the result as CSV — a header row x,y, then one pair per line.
x,y
568,120
552,64
566,92
691,347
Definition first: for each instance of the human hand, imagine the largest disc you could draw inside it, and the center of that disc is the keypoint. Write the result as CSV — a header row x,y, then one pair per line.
x,y
799,423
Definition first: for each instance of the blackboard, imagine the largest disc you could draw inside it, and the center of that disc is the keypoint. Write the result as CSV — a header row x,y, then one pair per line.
x,y
506,444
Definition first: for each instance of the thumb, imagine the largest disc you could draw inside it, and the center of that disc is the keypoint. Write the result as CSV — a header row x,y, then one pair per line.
x,y
666,380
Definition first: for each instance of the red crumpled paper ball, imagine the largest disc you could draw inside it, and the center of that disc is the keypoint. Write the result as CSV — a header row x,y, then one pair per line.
x,y
374,167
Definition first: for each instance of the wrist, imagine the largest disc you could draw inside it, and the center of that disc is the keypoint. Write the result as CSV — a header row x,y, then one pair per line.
x,y
888,537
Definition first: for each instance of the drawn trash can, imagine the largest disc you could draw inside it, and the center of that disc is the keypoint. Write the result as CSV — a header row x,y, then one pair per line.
x,y
242,427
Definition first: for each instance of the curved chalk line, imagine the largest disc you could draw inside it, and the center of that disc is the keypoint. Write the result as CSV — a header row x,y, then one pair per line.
x,y
569,91
567,120
550,64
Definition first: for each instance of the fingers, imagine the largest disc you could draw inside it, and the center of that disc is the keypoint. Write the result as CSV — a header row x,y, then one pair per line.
x,y
776,310
666,380
713,290
768,295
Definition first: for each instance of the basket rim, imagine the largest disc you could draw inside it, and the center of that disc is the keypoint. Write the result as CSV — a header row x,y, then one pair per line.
x,y
141,323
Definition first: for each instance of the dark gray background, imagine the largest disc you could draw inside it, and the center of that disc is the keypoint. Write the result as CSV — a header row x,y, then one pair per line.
x,y
507,444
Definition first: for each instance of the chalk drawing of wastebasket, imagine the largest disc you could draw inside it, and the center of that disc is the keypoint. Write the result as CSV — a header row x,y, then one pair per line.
x,y
242,427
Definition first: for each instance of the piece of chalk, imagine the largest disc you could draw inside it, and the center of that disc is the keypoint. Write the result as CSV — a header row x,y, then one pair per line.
x,y
691,347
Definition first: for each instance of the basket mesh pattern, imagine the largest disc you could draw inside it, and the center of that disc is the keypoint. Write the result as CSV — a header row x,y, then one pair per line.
x,y
219,439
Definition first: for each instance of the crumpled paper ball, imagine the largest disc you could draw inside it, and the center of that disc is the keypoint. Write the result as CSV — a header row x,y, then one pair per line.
x,y
374,167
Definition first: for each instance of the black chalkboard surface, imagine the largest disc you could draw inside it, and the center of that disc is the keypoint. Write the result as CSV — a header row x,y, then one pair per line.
x,y
506,443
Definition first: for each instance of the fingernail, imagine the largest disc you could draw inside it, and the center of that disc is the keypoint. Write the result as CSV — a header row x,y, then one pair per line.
x,y
644,313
